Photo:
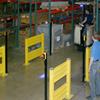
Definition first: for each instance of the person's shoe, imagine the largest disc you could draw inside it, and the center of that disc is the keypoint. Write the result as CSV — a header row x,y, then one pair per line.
x,y
94,98
98,95
91,98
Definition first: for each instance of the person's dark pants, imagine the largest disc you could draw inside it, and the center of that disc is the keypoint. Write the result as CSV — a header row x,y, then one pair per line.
x,y
95,67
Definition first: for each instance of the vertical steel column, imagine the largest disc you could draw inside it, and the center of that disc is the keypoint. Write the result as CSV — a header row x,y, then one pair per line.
x,y
73,20
50,28
46,77
35,17
18,24
30,34
83,49
6,53
14,7
94,9
84,52
97,15
6,40
15,21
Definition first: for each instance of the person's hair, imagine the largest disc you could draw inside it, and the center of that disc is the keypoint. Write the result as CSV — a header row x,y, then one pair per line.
x,y
96,35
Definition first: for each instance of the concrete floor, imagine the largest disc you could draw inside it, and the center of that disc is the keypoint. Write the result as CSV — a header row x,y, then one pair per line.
x,y
23,82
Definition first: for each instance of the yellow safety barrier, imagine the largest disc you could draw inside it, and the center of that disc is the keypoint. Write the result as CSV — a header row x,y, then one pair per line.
x,y
30,55
87,62
2,61
55,74
2,33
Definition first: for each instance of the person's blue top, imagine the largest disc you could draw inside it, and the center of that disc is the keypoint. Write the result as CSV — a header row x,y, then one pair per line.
x,y
95,50
89,19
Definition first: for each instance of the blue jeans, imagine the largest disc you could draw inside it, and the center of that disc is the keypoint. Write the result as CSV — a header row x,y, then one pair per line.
x,y
93,72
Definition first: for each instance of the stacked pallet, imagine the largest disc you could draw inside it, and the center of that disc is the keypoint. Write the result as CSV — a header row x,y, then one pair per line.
x,y
41,18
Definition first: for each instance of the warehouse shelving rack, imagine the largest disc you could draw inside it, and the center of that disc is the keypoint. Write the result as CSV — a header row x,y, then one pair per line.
x,y
16,17
6,17
31,3
50,12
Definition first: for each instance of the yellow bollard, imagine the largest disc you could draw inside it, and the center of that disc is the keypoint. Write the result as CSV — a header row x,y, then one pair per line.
x,y
2,63
68,78
26,53
87,62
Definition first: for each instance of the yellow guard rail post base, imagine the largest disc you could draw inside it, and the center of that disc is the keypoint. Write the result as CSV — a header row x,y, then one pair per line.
x,y
2,62
57,73
87,62
32,54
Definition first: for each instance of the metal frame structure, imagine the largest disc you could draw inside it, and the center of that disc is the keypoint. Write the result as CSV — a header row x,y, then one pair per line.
x,y
6,16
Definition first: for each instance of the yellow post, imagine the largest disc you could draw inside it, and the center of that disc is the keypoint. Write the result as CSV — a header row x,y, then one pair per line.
x,y
26,53
51,85
87,62
2,64
68,79
42,43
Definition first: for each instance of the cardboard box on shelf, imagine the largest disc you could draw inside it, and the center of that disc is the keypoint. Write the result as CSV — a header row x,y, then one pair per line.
x,y
42,17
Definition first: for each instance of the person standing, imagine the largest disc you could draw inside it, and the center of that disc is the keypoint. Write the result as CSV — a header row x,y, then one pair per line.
x,y
94,65
88,20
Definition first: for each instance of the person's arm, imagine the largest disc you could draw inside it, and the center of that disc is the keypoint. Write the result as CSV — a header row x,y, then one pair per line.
x,y
91,61
92,55
82,23
84,20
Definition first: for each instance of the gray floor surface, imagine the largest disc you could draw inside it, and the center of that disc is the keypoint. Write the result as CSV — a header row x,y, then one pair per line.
x,y
23,82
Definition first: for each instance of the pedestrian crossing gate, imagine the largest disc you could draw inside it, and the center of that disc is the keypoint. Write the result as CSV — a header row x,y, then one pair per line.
x,y
34,47
2,62
56,74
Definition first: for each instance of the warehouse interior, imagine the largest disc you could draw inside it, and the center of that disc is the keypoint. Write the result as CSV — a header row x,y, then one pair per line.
x,y
39,36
